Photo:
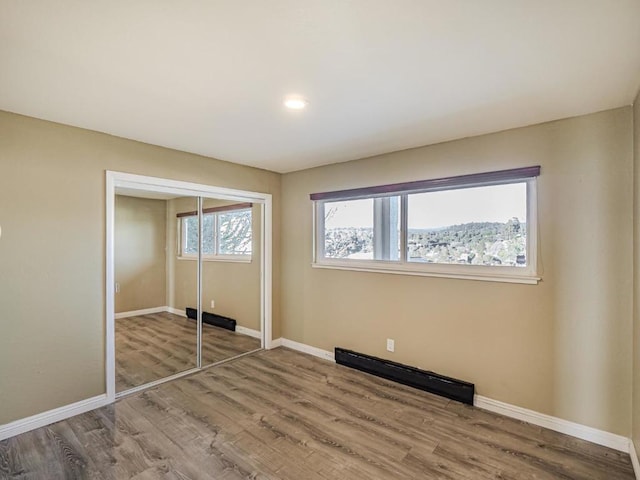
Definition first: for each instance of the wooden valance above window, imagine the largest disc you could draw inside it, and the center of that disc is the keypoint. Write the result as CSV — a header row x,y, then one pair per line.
x,y
224,208
433,184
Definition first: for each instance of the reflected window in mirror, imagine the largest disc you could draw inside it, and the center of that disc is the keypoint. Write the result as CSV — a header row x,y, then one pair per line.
x,y
227,233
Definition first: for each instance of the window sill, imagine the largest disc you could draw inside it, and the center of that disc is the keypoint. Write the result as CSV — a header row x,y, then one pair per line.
x,y
220,258
398,269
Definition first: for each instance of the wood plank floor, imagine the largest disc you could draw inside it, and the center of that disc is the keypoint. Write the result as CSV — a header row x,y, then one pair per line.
x,y
155,346
280,414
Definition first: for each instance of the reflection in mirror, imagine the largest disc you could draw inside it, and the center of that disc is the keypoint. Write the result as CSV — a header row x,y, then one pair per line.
x,y
230,279
153,339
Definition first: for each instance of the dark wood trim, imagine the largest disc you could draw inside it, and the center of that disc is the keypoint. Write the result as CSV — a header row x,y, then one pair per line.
x,y
187,214
432,184
225,208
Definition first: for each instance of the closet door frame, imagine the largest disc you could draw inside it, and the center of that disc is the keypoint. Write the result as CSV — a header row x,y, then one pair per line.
x,y
177,187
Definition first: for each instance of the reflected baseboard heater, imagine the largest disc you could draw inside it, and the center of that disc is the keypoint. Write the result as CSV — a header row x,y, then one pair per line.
x,y
212,319
411,376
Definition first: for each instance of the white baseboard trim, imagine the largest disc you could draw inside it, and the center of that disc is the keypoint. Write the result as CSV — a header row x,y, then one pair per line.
x,y
304,348
175,311
634,459
52,416
275,343
600,437
144,311
249,331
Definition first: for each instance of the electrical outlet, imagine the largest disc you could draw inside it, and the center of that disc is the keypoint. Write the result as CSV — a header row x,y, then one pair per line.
x,y
213,304
391,345
117,287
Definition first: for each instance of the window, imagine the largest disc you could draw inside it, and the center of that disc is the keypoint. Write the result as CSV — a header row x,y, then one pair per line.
x,y
480,226
227,233
362,229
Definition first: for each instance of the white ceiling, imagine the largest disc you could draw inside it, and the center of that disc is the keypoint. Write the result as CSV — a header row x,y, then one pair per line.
x,y
209,76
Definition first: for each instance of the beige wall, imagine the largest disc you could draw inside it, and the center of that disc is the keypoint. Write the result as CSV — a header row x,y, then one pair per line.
x,y
562,347
140,257
52,252
636,283
235,287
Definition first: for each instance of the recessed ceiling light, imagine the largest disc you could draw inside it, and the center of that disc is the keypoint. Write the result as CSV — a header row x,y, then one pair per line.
x,y
295,103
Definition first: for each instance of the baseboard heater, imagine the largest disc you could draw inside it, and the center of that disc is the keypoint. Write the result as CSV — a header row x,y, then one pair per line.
x,y
213,319
411,376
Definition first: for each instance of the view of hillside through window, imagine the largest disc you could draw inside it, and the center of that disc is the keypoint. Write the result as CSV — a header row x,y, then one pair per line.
x,y
474,226
349,229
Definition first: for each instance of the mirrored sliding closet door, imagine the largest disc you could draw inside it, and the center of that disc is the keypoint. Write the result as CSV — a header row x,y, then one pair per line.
x,y
153,337
188,283
230,279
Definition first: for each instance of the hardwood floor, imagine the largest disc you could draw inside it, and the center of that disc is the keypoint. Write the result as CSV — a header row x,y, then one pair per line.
x,y
155,346
280,414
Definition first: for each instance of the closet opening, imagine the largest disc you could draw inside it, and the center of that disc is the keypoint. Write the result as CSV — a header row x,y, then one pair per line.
x,y
188,272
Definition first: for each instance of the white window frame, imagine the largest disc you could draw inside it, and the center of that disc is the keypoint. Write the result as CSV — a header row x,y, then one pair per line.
x,y
215,257
510,274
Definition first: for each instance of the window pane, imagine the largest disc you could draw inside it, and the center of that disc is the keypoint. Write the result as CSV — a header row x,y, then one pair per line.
x,y
234,232
366,229
471,226
190,242
207,230
348,229
190,232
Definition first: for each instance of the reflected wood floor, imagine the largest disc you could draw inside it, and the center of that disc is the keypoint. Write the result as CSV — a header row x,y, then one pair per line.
x,y
155,346
280,414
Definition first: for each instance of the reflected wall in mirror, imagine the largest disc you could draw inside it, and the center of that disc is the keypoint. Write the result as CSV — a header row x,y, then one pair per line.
x,y
153,341
230,279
